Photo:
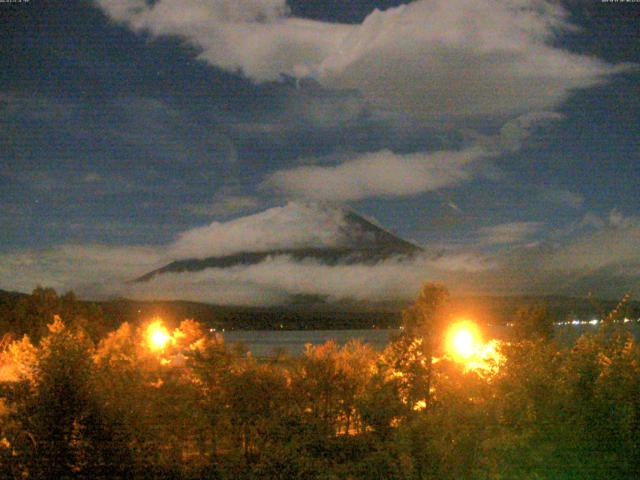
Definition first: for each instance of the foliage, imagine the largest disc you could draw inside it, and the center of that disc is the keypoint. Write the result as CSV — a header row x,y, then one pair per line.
x,y
533,322
30,314
120,407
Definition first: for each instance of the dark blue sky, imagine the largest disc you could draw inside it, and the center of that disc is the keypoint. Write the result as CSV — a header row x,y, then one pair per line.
x,y
112,134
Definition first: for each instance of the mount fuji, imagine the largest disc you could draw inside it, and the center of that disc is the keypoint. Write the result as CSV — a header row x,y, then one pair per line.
x,y
326,234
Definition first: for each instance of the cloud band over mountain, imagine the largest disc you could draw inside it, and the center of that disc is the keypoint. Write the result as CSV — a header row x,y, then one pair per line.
x,y
603,252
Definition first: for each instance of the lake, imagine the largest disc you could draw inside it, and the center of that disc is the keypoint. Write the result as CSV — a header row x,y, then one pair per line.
x,y
263,343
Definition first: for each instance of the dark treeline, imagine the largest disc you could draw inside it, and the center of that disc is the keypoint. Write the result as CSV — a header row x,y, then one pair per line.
x,y
148,401
18,310
302,314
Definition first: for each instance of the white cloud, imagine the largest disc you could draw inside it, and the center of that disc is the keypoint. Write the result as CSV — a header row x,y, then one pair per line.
x,y
35,107
323,109
610,242
508,233
603,257
92,178
463,262
618,220
295,225
462,57
562,197
77,185
376,174
515,132
224,205
599,257
429,57
77,267
590,219
97,271
388,174
102,271
274,280
253,36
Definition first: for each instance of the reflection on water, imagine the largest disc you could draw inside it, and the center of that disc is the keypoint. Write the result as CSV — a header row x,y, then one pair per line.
x,y
265,342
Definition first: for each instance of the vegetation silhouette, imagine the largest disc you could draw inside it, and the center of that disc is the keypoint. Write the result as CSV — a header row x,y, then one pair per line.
x,y
80,401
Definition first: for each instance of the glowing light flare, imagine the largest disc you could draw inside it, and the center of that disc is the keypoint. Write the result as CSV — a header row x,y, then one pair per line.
x,y
487,359
465,345
420,405
157,335
463,341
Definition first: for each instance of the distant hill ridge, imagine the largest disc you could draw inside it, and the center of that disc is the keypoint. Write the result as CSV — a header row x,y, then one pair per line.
x,y
486,309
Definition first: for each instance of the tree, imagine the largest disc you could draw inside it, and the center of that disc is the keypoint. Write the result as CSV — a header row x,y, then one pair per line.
x,y
533,323
319,382
30,314
60,402
426,320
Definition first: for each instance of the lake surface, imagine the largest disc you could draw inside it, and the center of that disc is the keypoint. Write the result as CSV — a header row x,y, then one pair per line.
x,y
263,343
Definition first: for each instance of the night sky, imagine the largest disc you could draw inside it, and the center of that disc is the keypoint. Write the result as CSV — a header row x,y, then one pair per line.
x,y
502,135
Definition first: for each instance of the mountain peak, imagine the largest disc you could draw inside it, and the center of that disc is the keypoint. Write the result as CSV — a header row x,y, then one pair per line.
x,y
296,225
322,232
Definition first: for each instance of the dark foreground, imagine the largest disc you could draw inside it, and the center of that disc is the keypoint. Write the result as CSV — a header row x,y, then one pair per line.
x,y
151,401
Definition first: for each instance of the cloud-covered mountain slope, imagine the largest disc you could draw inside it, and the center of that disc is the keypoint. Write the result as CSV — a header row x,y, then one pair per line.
x,y
342,237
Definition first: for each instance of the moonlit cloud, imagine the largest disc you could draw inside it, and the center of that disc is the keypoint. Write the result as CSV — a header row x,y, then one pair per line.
x,y
277,279
562,197
508,233
77,267
610,242
224,206
33,107
463,124
388,174
256,37
324,110
605,253
514,134
462,58
295,225
378,174
103,271
601,257
428,57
